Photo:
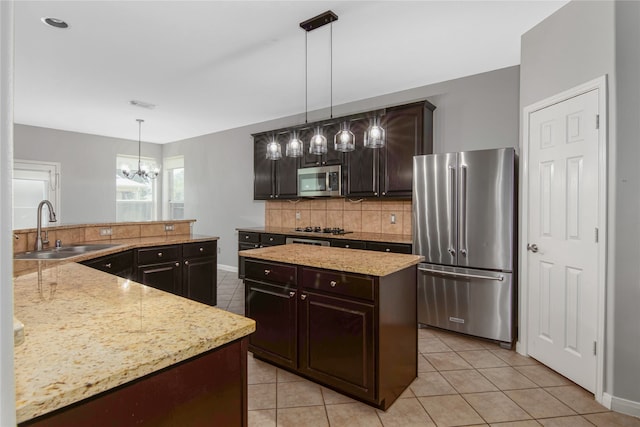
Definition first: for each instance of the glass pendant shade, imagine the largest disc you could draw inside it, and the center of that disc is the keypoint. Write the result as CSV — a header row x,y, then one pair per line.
x,y
375,136
274,152
294,146
318,143
344,140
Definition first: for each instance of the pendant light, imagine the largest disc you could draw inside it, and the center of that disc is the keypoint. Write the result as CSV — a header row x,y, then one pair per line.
x,y
318,143
274,151
294,146
142,171
375,136
344,140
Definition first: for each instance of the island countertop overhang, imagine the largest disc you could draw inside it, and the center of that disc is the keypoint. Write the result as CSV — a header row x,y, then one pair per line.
x,y
332,258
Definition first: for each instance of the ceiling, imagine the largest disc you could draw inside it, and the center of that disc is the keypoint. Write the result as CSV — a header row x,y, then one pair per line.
x,y
215,65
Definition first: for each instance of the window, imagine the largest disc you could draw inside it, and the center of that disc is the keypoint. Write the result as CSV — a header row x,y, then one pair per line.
x,y
34,182
173,207
135,198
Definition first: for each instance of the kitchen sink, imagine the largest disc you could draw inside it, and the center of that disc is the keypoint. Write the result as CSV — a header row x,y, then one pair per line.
x,y
63,252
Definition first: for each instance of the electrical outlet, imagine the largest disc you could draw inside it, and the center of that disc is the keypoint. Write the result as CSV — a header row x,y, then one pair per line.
x,y
168,227
105,231
393,218
297,215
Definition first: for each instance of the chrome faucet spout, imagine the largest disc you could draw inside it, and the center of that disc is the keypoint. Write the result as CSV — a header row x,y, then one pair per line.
x,y
52,218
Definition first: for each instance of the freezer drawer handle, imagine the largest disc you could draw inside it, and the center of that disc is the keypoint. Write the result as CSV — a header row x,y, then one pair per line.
x,y
470,276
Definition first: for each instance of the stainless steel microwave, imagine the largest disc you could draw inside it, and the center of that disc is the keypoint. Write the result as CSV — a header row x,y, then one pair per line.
x,y
320,181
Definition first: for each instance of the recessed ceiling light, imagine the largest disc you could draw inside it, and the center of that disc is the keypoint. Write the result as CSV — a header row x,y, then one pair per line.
x,y
142,104
54,22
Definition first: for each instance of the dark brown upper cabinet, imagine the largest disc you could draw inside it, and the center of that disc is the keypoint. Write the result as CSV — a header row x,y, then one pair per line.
x,y
387,172
274,179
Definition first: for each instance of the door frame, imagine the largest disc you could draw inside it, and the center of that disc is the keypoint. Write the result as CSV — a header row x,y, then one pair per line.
x,y
600,84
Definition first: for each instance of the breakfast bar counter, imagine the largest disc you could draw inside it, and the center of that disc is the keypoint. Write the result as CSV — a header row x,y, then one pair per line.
x,y
87,333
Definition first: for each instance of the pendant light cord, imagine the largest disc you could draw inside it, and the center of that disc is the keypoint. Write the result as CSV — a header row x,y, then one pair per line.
x,y
331,70
306,78
139,141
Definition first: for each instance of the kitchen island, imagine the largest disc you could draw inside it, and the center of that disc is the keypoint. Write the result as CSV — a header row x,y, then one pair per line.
x,y
345,318
104,350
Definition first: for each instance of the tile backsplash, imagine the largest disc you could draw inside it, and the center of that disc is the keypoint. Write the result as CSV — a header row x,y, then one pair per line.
x,y
371,216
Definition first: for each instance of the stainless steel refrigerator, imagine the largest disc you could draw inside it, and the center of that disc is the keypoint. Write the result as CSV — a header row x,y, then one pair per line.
x,y
463,224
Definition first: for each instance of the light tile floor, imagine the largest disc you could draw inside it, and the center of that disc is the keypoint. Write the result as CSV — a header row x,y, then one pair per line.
x,y
462,381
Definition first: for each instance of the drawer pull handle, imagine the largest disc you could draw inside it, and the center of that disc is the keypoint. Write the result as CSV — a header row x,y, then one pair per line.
x,y
201,249
108,265
186,263
292,294
266,272
246,237
333,283
159,254
303,297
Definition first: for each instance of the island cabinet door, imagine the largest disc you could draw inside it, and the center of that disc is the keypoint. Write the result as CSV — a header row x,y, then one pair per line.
x,y
166,276
274,309
337,343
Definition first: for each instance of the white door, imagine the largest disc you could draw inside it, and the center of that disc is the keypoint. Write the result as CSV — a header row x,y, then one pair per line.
x,y
562,256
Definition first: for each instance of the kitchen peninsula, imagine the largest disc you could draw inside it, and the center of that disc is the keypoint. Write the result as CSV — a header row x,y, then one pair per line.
x,y
345,318
105,350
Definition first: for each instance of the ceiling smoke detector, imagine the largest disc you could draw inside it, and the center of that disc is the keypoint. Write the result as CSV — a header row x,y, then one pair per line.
x,y
54,22
142,104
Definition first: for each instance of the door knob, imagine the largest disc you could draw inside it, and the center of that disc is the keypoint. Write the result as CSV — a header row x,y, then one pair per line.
x,y
533,248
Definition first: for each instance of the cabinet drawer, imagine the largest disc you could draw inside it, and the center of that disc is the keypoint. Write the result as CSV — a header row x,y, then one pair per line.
x,y
345,284
282,274
350,244
248,237
399,248
197,249
272,239
158,254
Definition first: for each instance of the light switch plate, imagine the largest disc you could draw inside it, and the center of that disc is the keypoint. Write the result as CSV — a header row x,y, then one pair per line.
x,y
393,218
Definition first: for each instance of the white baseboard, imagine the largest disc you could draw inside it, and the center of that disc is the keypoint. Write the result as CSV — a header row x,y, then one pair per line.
x,y
606,400
624,406
230,268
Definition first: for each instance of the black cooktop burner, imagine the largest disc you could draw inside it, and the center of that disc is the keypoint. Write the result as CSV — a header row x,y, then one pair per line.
x,y
326,230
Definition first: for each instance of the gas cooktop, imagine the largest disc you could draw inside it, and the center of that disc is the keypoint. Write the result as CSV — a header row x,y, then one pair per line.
x,y
326,230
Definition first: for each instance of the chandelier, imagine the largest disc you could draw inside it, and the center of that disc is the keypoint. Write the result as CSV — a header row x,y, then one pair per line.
x,y
142,171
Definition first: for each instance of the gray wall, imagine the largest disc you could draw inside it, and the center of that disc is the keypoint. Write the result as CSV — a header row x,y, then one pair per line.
x,y
88,168
580,42
625,254
474,112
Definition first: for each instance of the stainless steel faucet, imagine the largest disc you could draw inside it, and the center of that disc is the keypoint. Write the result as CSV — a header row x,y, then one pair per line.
x,y
52,218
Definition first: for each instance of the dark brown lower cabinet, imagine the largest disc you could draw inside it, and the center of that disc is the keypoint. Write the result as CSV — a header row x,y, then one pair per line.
x,y
199,277
336,343
206,390
120,264
354,333
274,308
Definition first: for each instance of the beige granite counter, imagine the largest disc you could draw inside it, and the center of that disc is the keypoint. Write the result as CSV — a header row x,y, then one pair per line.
x,y
372,237
87,331
339,259
21,267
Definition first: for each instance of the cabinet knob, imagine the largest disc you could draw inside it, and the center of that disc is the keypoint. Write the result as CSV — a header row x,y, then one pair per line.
x,y
387,250
383,193
375,193
201,249
246,237
108,265
186,263
333,283
177,264
303,297
266,272
292,294
271,239
346,246
159,254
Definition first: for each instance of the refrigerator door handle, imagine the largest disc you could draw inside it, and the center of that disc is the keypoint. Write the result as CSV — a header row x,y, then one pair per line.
x,y
452,209
463,210
498,278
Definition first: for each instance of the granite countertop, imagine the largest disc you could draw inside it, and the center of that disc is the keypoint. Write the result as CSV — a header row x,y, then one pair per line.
x,y
339,259
21,266
86,331
371,237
